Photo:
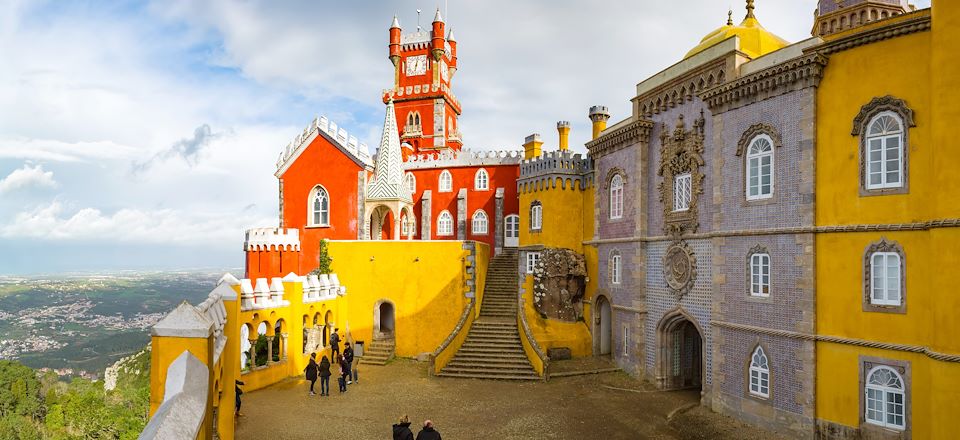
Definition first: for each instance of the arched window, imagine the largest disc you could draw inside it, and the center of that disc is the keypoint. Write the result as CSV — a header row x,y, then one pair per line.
x,y
536,216
885,278
446,181
615,267
760,274
481,181
616,197
410,118
884,151
410,183
416,118
445,223
319,207
408,225
759,374
682,191
760,168
480,222
885,398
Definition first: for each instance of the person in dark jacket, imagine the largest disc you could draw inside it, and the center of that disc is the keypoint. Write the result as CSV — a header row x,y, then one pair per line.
x,y
238,392
428,433
324,376
348,356
344,372
335,344
312,371
401,431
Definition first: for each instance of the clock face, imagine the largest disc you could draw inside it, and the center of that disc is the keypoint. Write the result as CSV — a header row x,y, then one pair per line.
x,y
417,65
444,72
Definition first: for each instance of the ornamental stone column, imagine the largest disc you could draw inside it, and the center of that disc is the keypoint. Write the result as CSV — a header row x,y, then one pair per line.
x,y
462,214
270,349
498,222
426,219
253,354
283,346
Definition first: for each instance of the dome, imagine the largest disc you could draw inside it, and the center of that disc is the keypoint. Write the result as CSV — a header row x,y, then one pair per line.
x,y
755,41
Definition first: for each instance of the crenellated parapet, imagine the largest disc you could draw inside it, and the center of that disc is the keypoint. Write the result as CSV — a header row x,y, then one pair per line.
x,y
321,287
422,91
556,169
463,158
272,239
325,127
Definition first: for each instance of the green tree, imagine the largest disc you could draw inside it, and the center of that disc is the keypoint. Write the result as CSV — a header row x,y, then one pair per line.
x,y
19,390
324,260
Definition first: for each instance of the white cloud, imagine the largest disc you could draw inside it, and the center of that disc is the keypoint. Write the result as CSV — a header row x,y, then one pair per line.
x,y
60,151
163,226
26,177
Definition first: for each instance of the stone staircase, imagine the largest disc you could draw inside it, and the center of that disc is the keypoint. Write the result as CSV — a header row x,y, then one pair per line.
x,y
378,352
492,349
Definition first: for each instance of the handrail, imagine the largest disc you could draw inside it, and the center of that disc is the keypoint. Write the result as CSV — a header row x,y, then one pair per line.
x,y
462,324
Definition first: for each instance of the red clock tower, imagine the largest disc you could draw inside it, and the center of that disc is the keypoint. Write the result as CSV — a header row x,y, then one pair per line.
x,y
424,63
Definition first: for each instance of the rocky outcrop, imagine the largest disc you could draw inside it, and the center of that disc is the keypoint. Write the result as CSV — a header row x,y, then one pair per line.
x,y
559,284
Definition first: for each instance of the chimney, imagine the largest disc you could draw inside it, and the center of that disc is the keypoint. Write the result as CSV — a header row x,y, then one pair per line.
x,y
531,146
599,115
563,127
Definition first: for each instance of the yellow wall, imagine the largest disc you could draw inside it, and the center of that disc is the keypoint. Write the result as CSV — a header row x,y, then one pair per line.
x,y
921,69
563,218
164,350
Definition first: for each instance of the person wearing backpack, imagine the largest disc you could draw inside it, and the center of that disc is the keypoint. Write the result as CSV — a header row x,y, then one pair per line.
x,y
324,369
312,371
344,371
335,344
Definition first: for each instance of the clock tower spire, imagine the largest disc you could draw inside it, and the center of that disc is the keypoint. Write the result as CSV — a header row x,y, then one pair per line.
x,y
426,109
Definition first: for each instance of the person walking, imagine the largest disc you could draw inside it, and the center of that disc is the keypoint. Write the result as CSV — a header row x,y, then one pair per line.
x,y
335,344
344,371
401,430
324,376
238,392
312,371
428,433
348,356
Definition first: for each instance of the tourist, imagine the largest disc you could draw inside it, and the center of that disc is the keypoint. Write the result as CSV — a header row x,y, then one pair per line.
x,y
238,392
344,371
312,370
401,430
348,356
428,433
324,376
335,344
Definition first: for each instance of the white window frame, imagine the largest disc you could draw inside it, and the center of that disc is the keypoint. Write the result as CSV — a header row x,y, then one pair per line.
x,y
881,281
536,216
480,223
883,140
682,189
408,225
532,259
761,169
885,395
616,197
481,180
760,274
410,183
311,207
446,181
615,268
444,224
759,373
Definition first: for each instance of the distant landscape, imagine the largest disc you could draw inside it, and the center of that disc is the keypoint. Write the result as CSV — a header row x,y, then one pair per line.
x,y
79,324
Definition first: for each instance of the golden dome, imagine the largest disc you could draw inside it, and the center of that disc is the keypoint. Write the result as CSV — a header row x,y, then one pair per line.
x,y
754,39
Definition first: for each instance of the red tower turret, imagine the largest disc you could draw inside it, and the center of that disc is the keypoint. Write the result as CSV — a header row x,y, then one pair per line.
x,y
437,42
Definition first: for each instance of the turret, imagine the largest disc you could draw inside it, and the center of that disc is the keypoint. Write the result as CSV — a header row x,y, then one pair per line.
x,y
436,41
599,115
395,41
563,127
532,146
452,41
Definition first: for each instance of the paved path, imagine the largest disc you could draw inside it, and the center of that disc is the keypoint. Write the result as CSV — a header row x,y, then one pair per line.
x,y
582,407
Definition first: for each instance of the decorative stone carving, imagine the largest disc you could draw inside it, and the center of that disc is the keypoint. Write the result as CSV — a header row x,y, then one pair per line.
x,y
559,283
679,268
877,105
613,172
754,131
681,152
883,245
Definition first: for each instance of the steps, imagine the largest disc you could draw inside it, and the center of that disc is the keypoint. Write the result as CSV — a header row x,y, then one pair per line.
x,y
378,352
493,349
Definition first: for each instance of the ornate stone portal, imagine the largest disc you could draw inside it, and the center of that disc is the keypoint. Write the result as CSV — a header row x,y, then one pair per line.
x,y
679,268
681,153
559,283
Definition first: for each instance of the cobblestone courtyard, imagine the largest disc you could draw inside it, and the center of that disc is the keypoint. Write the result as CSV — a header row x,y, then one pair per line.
x,y
604,406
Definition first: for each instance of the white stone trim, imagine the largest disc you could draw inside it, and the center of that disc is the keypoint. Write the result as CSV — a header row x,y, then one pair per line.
x,y
339,137
462,158
267,239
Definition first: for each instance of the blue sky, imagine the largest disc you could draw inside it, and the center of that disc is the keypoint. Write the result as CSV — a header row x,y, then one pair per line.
x,y
144,135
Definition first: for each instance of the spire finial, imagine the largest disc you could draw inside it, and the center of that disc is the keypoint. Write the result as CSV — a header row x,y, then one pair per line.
x,y
730,17
750,9
418,20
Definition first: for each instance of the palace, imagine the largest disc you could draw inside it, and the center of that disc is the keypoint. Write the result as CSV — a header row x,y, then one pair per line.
x,y
772,225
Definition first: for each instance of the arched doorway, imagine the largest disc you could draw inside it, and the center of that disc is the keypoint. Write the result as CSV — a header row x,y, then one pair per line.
x,y
680,352
384,320
381,224
603,326
511,231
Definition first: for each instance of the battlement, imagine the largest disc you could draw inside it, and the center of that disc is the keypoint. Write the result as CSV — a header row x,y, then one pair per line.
x,y
463,158
571,170
321,287
341,137
268,239
421,90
